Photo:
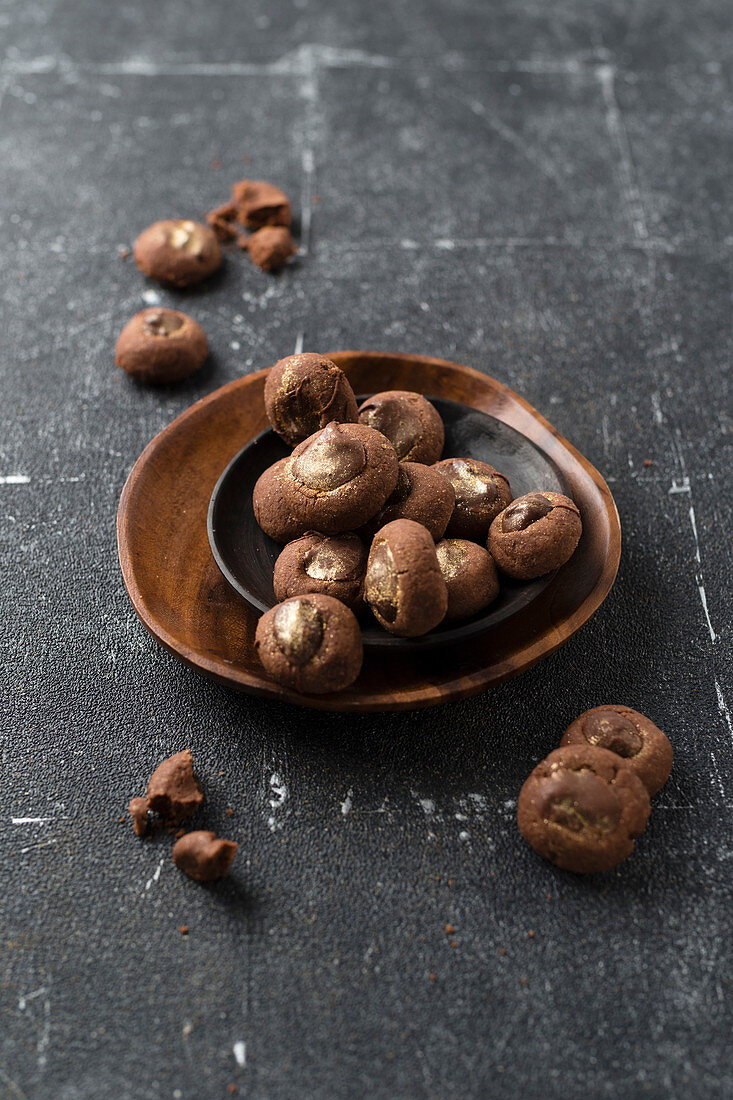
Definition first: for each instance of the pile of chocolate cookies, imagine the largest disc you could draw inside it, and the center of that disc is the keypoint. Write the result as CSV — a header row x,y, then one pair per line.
x,y
372,519
585,804
160,345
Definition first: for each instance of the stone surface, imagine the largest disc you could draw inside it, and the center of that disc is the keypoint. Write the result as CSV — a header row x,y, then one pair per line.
x,y
538,191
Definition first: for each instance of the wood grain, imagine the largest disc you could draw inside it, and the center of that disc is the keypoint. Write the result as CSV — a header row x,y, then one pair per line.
x,y
182,599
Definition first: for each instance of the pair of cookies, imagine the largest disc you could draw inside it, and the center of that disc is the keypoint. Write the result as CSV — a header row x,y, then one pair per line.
x,y
585,804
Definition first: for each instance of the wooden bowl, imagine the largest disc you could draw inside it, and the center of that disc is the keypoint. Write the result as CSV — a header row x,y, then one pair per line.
x,y
246,556
181,597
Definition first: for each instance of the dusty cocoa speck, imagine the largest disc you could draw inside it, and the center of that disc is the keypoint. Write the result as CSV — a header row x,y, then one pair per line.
x,y
433,977
234,1088
549,897
230,811
449,929
502,950
121,820
450,881
216,165
453,943
183,929
523,981
648,462
530,934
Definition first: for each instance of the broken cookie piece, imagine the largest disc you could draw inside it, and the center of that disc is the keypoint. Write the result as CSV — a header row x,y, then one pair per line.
x,y
270,247
139,813
203,856
260,203
220,220
174,791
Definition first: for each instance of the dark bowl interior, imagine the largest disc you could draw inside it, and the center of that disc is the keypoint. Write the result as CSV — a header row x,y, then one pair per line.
x,y
246,555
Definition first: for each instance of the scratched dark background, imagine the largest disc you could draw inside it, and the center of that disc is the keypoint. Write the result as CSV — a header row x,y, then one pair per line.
x,y
541,191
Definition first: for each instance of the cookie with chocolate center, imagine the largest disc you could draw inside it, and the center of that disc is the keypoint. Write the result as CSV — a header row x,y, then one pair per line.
x,y
535,534
481,493
403,584
470,576
338,478
161,345
178,252
412,425
632,736
421,494
310,643
306,392
333,565
582,808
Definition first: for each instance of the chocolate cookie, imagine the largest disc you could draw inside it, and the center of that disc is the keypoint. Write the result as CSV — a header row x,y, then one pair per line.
x,y
179,253
404,585
306,392
421,494
203,856
534,535
173,790
331,565
161,345
411,424
260,203
582,809
271,247
272,504
470,576
338,478
481,493
645,749
311,644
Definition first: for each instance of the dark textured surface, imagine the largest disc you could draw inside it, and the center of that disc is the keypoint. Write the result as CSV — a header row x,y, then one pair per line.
x,y
538,190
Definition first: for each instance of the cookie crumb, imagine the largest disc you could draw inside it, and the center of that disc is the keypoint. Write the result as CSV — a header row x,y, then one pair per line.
x,y
530,934
648,462
449,929
502,950
232,1089
230,811
139,813
203,856
183,929
433,977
